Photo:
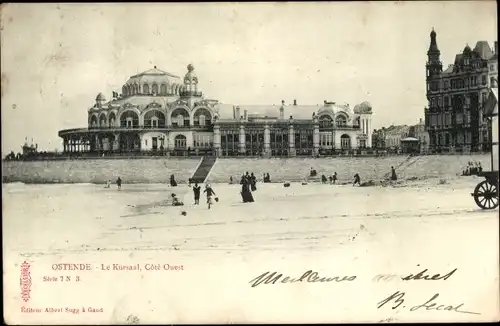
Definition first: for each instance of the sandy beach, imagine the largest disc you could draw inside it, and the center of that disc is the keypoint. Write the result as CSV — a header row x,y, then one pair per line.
x,y
335,230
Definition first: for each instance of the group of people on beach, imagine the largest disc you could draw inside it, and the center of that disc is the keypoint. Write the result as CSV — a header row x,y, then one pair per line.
x,y
248,184
332,179
472,168
197,192
118,183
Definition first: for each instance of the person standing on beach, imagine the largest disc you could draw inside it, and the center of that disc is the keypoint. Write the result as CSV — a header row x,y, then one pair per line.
x,y
334,177
394,177
119,183
196,191
210,192
173,183
253,182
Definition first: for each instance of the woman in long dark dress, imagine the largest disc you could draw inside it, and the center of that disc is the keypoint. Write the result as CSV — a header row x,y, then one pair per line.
x,y
173,183
246,194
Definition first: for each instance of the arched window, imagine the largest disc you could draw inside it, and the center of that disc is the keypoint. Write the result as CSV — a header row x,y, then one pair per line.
x,y
341,121
180,118
102,120
154,89
93,121
145,89
202,117
180,142
154,119
163,89
112,119
345,141
325,121
129,119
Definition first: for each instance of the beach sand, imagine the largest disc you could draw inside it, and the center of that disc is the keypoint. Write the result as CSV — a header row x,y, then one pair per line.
x,y
336,230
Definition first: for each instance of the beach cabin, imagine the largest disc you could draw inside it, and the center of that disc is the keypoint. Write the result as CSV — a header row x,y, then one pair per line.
x,y
491,111
410,145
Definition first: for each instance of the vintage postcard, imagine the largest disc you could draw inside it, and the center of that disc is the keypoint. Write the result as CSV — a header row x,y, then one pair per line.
x,y
281,162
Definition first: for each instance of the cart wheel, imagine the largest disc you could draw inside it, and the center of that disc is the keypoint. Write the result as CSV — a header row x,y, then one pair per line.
x,y
486,195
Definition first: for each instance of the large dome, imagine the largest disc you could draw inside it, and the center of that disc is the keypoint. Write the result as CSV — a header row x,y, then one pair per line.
x,y
152,81
154,75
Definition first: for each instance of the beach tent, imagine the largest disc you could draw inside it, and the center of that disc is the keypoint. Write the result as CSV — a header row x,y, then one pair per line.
x,y
410,145
491,110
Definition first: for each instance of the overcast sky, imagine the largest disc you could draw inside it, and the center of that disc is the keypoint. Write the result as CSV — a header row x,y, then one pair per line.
x,y
56,58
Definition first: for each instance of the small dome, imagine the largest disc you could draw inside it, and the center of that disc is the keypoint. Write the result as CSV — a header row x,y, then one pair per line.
x,y
326,110
364,107
100,97
190,75
467,48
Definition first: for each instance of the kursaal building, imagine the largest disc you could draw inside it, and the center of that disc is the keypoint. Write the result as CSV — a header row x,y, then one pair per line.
x,y
161,113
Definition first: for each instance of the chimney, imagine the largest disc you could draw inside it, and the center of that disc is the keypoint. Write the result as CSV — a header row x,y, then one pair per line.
x,y
245,115
282,102
420,120
238,114
295,102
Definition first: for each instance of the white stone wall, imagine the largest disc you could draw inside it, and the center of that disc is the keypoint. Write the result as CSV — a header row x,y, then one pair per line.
x,y
147,140
353,134
187,134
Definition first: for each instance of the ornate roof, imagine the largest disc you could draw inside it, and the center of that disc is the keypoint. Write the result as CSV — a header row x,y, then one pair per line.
x,y
363,108
154,75
190,75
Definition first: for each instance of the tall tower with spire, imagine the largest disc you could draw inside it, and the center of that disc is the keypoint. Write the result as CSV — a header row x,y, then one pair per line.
x,y
434,65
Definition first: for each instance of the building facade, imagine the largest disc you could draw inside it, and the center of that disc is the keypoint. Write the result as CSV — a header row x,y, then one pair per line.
x,y
160,113
419,132
393,137
456,98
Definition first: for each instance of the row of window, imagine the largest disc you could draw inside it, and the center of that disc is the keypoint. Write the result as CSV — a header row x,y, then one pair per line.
x,y
458,101
459,83
446,119
447,139
163,89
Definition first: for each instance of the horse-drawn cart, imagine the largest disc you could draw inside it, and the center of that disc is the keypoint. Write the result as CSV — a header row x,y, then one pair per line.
x,y
486,192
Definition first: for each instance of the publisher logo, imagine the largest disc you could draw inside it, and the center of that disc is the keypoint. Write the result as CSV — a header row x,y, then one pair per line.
x,y
25,281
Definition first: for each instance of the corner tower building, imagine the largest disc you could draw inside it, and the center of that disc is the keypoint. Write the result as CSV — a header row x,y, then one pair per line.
x,y
456,98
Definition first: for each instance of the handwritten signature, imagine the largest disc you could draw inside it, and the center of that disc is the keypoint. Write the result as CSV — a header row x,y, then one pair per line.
x,y
309,276
397,299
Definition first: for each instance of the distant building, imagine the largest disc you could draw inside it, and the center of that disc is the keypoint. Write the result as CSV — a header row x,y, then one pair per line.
x,y
456,98
419,132
160,113
28,150
394,135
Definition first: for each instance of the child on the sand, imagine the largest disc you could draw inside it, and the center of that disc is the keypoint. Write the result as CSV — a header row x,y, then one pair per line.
x,y
357,180
176,201
210,192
